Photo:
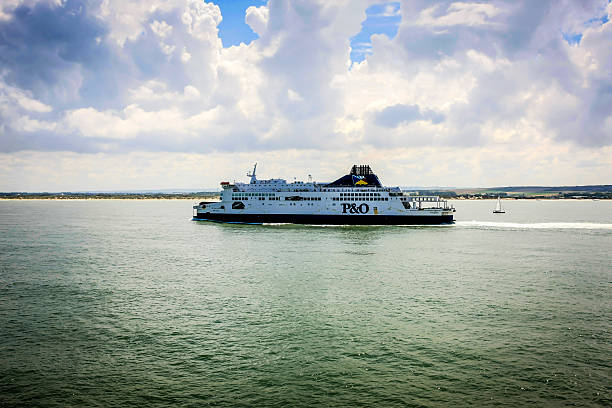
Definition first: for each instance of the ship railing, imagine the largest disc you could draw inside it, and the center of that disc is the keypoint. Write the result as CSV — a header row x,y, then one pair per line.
x,y
429,202
352,188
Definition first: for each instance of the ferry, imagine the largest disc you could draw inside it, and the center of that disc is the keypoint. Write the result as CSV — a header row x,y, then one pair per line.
x,y
357,198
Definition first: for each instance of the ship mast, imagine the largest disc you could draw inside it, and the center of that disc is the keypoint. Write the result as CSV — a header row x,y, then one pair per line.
x,y
252,175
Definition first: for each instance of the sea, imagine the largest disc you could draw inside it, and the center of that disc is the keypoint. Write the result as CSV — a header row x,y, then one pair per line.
x,y
118,303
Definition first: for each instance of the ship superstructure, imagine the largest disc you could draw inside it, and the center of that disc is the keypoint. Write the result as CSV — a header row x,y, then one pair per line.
x,y
358,198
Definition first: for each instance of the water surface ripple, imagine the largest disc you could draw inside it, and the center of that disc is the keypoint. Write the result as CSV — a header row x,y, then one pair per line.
x,y
129,303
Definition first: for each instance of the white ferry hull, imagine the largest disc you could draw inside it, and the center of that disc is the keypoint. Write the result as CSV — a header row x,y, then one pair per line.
x,y
357,198
318,219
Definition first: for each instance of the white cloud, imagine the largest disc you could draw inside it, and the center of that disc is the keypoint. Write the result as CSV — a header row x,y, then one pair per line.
x,y
167,49
191,92
202,19
127,19
161,28
6,7
463,84
391,11
257,18
30,104
294,96
185,56
17,108
127,123
10,95
156,91
545,164
134,121
470,14
27,124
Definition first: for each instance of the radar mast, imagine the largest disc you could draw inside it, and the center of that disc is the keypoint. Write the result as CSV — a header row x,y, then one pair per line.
x,y
252,175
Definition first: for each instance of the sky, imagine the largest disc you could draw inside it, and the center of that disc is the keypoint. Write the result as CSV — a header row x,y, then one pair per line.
x,y
132,95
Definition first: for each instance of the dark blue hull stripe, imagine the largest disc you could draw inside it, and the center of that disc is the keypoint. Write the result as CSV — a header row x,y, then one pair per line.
x,y
326,219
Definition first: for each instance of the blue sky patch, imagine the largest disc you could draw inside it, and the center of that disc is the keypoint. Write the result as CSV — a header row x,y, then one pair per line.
x,y
233,30
381,18
575,38
601,20
572,38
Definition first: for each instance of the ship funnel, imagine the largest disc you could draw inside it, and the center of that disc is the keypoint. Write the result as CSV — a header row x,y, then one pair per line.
x,y
361,170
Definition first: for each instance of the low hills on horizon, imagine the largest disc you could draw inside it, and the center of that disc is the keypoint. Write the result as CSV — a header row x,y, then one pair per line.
x,y
598,191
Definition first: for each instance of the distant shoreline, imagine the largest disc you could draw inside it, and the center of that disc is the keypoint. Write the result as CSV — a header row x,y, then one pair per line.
x,y
108,196
216,197
594,192
108,199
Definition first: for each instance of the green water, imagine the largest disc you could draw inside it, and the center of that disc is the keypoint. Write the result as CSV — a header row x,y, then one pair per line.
x,y
129,303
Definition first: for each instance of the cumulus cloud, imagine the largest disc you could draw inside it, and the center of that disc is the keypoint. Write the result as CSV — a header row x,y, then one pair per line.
x,y
119,77
161,28
257,18
42,44
470,14
392,116
202,20
11,96
126,20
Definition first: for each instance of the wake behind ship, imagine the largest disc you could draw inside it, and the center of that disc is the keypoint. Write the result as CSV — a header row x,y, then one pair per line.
x,y
357,198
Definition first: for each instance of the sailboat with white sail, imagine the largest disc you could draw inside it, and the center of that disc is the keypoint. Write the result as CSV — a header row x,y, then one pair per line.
x,y
498,207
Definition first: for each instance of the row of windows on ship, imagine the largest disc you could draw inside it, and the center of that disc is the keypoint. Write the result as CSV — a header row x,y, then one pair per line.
x,y
244,196
302,198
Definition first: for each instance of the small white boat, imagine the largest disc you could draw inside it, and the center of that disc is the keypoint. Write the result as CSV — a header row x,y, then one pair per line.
x,y
498,209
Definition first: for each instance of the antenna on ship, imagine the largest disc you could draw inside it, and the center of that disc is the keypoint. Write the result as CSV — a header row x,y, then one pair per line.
x,y
252,175
310,178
